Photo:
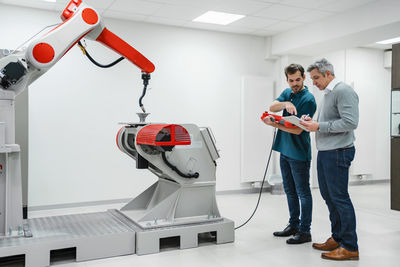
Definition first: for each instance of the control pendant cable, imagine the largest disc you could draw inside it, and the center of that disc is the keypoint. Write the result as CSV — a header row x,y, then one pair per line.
x,y
262,185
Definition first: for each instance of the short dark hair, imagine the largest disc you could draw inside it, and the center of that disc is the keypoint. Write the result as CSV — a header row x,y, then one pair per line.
x,y
293,68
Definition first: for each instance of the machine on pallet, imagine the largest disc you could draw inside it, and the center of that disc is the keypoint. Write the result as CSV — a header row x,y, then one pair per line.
x,y
182,203
183,157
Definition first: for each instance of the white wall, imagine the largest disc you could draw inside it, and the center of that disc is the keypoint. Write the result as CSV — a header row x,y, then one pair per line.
x,y
363,69
372,82
75,107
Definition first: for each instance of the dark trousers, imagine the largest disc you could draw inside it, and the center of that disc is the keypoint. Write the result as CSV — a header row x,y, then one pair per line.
x,y
333,178
296,182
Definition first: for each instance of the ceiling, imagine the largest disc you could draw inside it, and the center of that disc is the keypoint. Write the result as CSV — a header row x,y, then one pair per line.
x,y
263,17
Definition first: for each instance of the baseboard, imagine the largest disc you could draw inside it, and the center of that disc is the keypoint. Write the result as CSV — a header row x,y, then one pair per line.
x,y
79,204
243,191
126,200
368,182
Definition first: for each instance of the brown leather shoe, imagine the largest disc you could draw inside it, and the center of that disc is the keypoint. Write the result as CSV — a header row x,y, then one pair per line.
x,y
330,244
340,254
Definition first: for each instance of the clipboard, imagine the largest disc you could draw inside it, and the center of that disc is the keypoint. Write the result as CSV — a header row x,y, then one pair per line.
x,y
295,120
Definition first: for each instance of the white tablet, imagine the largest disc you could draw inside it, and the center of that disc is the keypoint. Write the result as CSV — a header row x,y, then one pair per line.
x,y
295,120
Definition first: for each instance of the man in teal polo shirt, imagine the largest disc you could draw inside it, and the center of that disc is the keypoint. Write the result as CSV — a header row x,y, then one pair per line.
x,y
295,148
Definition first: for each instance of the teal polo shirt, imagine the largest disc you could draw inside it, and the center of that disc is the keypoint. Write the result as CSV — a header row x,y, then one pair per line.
x,y
294,146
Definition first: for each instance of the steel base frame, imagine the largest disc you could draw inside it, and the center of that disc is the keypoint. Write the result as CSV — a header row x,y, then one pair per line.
x,y
103,235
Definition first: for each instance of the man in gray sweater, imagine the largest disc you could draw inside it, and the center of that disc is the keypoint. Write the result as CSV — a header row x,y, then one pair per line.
x,y
336,121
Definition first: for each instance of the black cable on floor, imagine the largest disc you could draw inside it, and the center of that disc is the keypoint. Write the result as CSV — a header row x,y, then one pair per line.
x,y
262,185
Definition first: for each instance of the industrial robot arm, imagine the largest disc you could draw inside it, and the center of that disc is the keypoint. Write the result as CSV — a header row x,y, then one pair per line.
x,y
20,69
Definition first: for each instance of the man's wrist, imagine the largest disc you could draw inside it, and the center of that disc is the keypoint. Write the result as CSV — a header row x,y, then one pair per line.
x,y
323,127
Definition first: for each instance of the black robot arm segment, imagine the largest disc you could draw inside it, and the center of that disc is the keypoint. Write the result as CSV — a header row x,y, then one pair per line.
x,y
11,74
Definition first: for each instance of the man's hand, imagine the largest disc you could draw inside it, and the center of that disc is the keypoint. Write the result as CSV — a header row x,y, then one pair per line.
x,y
306,118
290,108
267,120
309,124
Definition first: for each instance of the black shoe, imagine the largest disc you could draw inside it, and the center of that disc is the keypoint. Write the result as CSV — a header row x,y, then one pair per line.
x,y
299,238
288,231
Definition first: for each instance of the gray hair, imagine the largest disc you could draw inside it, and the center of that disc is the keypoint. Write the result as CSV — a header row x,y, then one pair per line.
x,y
322,66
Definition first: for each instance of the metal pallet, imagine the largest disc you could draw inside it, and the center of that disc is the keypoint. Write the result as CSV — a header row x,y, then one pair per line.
x,y
148,240
94,235
102,235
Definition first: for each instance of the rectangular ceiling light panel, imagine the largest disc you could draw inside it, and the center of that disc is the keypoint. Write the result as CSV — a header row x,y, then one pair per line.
x,y
390,41
220,18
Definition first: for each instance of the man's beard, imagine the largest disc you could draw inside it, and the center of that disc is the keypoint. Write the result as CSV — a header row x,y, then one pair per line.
x,y
297,88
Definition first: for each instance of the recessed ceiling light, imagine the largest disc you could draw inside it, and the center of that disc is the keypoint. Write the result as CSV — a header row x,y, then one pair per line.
x,y
220,18
390,41
53,1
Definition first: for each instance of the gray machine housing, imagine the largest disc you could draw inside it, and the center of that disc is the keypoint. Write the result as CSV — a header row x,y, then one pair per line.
x,y
176,205
173,199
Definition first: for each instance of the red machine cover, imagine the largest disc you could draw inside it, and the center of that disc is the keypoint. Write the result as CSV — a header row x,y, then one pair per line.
x,y
163,135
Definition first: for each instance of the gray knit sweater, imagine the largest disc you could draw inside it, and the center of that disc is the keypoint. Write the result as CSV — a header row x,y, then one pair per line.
x,y
337,117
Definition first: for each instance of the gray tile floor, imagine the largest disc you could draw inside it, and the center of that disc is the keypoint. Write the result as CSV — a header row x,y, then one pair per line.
x,y
378,230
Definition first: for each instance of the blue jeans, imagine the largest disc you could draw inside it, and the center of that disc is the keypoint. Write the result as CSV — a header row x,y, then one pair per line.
x,y
296,177
333,178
